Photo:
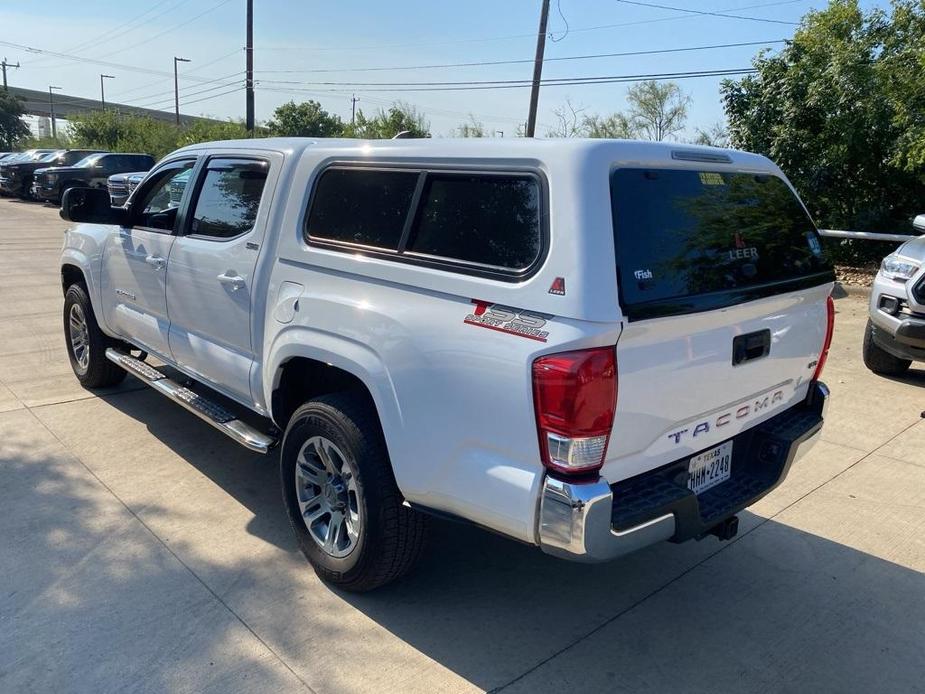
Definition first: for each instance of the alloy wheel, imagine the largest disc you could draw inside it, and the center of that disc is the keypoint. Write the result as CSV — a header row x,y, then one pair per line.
x,y
327,493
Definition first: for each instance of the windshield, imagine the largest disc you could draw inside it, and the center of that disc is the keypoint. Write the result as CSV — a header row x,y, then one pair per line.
x,y
697,240
87,162
52,156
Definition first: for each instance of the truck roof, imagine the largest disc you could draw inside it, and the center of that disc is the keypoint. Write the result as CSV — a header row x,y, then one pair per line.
x,y
628,151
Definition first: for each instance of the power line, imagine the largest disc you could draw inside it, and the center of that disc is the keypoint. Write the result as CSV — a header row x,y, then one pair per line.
x,y
466,83
109,33
708,13
147,97
573,30
154,104
166,31
105,63
185,75
214,96
523,61
515,84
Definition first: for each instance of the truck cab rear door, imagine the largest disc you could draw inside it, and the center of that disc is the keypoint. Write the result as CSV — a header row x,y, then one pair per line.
x,y
210,281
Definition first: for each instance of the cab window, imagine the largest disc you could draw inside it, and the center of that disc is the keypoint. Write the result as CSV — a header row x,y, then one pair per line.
x,y
228,198
157,204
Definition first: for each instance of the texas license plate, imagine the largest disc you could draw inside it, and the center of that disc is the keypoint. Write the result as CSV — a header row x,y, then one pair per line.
x,y
710,468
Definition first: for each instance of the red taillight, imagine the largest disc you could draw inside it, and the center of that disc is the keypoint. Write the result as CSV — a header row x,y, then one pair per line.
x,y
829,329
575,397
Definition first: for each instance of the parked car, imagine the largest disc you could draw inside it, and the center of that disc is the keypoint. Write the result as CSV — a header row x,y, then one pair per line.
x,y
895,334
586,345
93,171
121,186
21,174
178,186
134,180
8,185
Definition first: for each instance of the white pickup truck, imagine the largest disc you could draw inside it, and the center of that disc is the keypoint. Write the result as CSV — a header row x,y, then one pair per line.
x,y
589,346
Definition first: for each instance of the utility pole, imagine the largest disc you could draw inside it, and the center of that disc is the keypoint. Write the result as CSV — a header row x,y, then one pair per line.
x,y
249,68
176,87
5,66
353,110
51,109
103,91
537,69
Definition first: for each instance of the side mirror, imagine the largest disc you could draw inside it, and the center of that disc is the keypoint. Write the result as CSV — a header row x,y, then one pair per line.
x,y
919,223
91,206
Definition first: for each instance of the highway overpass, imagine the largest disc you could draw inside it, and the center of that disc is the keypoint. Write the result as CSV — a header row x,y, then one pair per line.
x,y
37,104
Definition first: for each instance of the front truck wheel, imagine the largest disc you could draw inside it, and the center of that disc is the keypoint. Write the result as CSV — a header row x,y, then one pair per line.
x,y
878,359
341,496
86,343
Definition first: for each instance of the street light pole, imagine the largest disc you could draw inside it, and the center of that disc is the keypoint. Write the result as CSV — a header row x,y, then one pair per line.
x,y
103,91
176,86
51,109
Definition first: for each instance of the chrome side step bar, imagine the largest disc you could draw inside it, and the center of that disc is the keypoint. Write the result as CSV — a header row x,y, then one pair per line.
x,y
202,407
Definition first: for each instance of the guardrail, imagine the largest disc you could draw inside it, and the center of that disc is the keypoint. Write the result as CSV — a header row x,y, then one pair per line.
x,y
866,235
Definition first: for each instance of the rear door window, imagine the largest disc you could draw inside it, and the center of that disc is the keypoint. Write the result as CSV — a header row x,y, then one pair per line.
x,y
698,240
229,198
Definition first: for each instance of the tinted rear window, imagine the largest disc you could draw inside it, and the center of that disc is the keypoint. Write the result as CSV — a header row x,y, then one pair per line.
x,y
362,206
696,240
484,219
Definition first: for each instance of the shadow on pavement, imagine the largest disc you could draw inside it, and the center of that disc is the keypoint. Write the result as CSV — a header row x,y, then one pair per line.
x,y
778,610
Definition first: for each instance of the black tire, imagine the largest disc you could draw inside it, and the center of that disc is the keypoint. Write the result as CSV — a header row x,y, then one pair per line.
x,y
92,368
391,536
61,195
878,359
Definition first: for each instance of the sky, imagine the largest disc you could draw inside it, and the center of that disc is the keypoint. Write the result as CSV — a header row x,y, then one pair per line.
x,y
300,46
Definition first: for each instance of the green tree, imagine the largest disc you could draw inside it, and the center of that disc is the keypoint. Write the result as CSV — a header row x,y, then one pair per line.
x,y
840,109
129,133
209,131
13,128
616,126
307,119
400,117
473,128
658,110
715,136
901,68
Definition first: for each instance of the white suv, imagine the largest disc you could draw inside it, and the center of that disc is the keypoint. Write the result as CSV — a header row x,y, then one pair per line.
x,y
589,346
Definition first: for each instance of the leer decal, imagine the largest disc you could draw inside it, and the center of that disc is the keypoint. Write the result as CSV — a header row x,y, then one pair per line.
x,y
507,319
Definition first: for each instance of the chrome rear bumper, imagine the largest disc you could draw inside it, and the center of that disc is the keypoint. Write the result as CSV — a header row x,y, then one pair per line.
x,y
576,519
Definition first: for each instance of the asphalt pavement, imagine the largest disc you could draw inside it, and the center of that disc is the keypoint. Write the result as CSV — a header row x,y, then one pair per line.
x,y
142,551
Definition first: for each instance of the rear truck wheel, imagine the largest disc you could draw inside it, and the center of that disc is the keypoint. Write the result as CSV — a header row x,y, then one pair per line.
x,y
878,359
86,343
341,497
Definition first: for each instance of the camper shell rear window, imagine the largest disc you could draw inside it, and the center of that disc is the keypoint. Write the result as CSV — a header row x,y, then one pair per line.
x,y
688,240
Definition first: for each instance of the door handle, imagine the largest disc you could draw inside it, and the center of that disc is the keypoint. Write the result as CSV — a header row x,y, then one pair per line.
x,y
156,261
234,282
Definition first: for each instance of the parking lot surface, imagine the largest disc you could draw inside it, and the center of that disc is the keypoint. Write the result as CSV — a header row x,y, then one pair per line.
x,y
143,551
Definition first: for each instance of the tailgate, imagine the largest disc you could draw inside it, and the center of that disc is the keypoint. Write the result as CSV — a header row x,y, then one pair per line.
x,y
724,286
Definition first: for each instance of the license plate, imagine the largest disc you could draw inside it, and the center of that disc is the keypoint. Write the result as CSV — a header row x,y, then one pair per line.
x,y
710,468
